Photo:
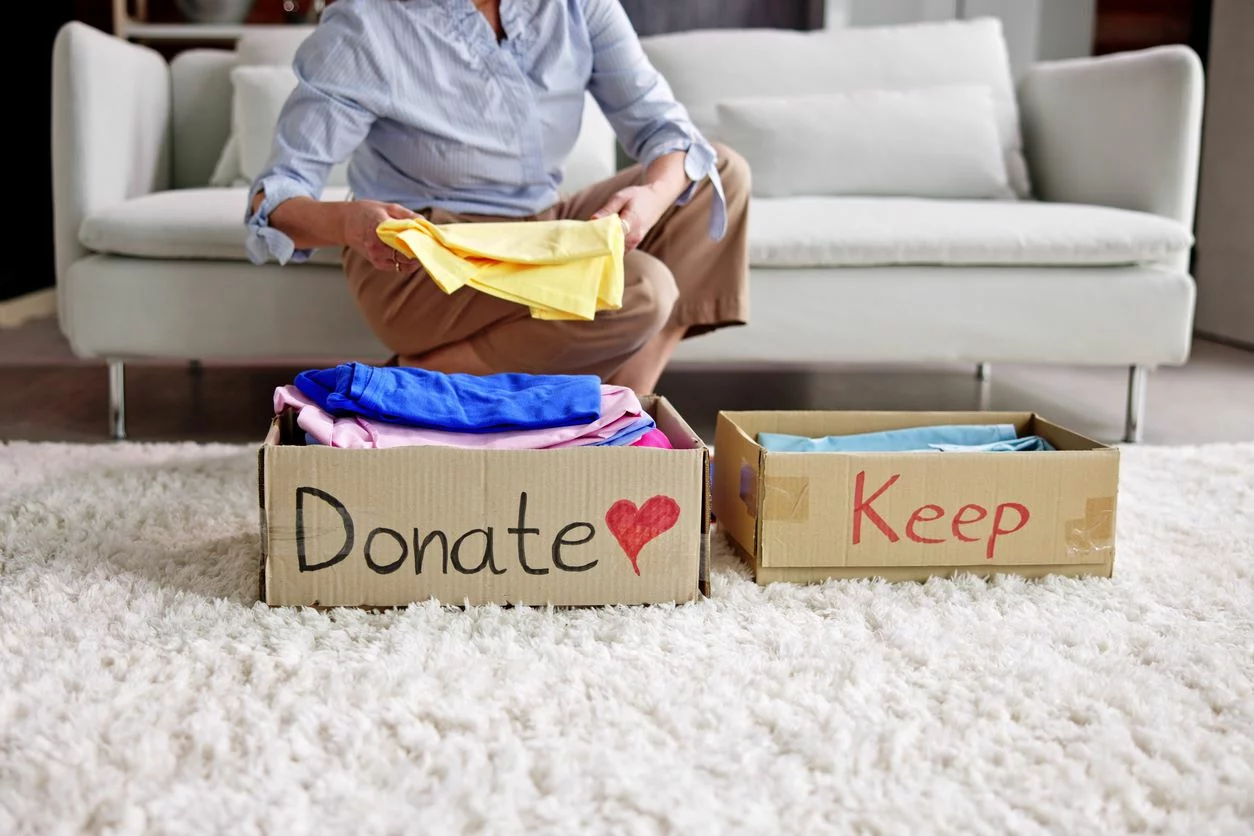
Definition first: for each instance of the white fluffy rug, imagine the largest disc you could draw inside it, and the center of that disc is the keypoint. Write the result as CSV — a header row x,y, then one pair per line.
x,y
143,689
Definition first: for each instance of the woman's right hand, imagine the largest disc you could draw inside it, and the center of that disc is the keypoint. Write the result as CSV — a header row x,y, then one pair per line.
x,y
360,219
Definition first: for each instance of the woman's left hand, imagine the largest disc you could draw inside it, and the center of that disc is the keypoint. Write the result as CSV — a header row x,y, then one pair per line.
x,y
639,207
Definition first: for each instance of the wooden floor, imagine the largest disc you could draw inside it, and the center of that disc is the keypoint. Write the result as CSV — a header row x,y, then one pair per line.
x,y
46,394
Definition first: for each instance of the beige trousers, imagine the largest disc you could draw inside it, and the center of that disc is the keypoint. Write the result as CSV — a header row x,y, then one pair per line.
x,y
676,276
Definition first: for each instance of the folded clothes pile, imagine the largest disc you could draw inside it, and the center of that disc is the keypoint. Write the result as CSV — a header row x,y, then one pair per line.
x,y
359,406
970,438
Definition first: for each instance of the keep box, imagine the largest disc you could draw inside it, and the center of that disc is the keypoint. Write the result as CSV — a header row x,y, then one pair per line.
x,y
907,516
572,527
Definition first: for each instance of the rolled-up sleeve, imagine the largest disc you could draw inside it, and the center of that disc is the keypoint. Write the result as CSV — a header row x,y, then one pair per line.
x,y
339,90
641,107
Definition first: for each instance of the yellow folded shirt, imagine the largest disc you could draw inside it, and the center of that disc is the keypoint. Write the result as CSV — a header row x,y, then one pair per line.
x,y
559,269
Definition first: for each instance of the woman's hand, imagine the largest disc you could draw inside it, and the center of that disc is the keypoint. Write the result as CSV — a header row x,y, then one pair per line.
x,y
639,207
360,218
314,223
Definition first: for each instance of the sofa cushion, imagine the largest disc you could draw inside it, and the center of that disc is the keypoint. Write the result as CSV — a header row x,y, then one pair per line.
x,y
260,93
704,67
931,142
185,223
783,232
853,231
200,115
273,46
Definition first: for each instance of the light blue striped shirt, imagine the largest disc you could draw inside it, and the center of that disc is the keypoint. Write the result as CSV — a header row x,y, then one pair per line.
x,y
431,111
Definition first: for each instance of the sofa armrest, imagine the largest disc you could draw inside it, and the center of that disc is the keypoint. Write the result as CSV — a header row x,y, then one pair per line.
x,y
1119,130
110,129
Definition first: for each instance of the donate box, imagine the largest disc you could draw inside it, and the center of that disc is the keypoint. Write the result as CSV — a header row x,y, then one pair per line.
x,y
579,527
907,516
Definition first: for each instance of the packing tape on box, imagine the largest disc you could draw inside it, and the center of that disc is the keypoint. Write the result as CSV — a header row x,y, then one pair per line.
x,y
1093,535
786,498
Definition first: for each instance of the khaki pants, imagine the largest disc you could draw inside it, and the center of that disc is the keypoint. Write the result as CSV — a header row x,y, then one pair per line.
x,y
676,276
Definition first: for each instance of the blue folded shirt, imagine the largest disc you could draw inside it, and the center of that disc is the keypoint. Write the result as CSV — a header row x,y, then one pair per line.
x,y
630,434
945,438
454,402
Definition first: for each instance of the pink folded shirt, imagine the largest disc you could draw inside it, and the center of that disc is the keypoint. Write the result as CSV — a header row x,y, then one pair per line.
x,y
619,408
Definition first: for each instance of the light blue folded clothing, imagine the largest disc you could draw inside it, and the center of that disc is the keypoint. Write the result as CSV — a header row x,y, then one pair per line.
x,y
629,435
1026,444
944,438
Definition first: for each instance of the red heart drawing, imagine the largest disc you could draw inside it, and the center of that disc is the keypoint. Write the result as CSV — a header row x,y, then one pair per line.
x,y
634,527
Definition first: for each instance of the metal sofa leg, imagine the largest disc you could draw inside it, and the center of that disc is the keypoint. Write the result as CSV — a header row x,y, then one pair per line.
x,y
984,375
1134,425
117,400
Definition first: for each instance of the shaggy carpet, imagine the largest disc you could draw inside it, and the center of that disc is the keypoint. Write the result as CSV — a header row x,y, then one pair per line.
x,y
144,690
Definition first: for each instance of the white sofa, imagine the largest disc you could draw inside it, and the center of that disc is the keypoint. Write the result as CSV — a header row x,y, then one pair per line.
x,y
1093,269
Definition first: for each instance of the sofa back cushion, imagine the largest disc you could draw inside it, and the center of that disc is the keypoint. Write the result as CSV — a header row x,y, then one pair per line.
x,y
709,66
200,114
261,90
270,47
206,143
938,142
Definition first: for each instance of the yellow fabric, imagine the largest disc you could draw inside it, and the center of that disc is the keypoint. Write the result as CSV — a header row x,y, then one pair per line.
x,y
560,269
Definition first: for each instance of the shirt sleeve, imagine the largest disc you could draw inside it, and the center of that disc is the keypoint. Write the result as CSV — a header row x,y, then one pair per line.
x,y
641,107
339,89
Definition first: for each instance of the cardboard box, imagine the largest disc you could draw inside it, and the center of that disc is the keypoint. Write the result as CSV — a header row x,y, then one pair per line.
x,y
907,516
581,526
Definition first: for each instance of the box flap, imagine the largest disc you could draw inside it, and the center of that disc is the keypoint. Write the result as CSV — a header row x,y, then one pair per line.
x,y
737,465
683,437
